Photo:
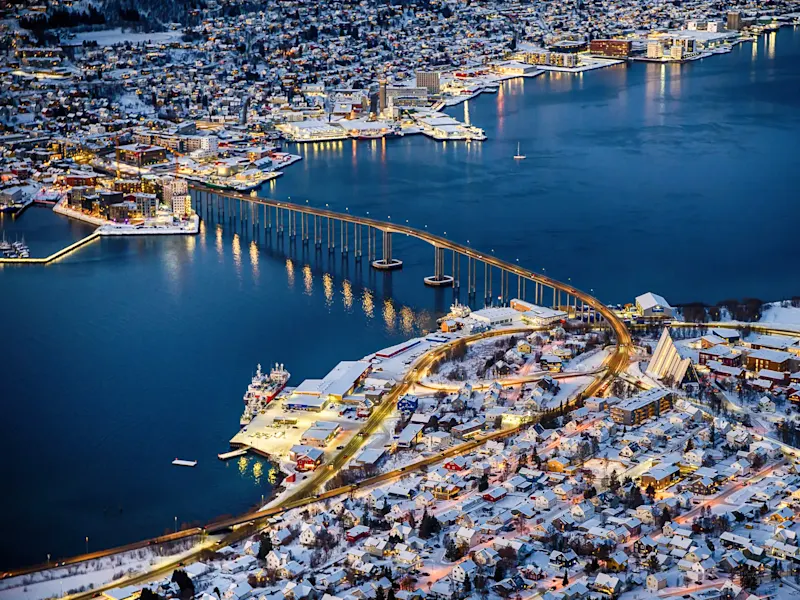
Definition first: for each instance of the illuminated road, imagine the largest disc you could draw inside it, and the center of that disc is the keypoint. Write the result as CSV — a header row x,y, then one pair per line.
x,y
307,493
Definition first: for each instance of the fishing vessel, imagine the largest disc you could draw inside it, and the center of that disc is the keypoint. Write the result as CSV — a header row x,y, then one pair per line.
x,y
519,155
262,390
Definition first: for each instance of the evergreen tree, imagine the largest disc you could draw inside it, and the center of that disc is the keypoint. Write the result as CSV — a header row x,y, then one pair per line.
x,y
666,517
379,595
652,563
613,482
565,579
264,547
483,483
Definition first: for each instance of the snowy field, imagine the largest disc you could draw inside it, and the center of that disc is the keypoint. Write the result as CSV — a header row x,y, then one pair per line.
x,y
109,37
776,313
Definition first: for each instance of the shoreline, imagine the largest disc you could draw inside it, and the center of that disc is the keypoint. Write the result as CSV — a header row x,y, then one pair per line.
x,y
109,228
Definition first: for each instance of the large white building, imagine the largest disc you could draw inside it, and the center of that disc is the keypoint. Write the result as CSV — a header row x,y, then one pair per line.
x,y
653,306
667,364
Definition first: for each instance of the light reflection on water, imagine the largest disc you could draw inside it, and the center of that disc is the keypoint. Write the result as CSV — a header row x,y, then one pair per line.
x,y
327,285
254,259
368,304
255,469
347,294
389,315
336,286
290,272
308,280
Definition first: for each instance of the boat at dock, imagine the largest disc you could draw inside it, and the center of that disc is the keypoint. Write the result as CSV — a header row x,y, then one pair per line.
x,y
14,249
184,463
232,454
262,390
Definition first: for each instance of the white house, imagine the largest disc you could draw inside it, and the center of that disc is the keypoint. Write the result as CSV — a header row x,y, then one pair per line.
x,y
467,536
544,500
583,511
308,536
464,570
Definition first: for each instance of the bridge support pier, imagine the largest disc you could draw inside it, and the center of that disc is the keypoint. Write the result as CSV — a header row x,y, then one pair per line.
x,y
487,284
472,266
438,279
387,263
456,270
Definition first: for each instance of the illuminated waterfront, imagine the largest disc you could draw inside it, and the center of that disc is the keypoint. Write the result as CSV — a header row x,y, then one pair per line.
x,y
631,174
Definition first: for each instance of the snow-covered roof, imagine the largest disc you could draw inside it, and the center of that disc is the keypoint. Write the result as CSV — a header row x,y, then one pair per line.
x,y
651,300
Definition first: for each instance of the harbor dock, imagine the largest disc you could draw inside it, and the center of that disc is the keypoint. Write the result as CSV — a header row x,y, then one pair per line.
x,y
55,256
233,453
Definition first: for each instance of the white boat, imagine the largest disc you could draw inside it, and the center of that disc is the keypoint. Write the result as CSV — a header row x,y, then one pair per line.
x,y
262,390
184,463
519,155
460,310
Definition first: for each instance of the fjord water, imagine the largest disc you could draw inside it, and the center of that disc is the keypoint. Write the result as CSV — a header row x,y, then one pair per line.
x,y
131,352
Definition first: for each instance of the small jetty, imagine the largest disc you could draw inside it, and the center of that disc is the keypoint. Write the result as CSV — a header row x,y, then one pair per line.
x,y
184,463
232,454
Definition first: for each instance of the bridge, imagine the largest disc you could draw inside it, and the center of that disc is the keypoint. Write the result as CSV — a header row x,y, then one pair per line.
x,y
323,228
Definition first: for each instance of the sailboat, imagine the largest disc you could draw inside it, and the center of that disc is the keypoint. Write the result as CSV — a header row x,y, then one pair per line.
x,y
518,155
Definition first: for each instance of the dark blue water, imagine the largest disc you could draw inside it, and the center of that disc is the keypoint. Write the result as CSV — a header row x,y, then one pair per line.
x,y
134,351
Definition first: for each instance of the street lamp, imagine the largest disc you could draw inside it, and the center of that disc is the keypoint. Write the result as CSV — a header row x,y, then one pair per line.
x,y
176,524
87,544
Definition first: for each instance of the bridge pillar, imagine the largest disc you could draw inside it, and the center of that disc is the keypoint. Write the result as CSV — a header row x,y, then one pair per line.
x,y
292,225
438,279
331,235
487,283
343,236
456,270
357,229
471,275
387,263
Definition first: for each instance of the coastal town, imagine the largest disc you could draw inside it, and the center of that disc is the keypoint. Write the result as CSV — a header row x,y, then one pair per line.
x,y
492,473
217,97
573,450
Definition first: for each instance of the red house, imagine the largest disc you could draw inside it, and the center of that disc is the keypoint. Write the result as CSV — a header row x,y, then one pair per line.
x,y
305,463
495,494
459,463
356,533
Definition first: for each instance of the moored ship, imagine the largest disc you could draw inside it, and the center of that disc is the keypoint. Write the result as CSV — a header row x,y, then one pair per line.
x,y
262,390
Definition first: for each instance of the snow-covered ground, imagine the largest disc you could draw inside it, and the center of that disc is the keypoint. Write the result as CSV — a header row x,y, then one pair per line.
x,y
109,37
782,313
55,583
